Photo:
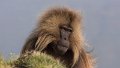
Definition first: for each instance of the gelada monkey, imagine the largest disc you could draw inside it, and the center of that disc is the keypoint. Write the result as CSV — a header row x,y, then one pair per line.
x,y
59,34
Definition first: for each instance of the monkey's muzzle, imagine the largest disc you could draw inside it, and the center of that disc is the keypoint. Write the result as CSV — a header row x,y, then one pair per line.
x,y
62,47
61,50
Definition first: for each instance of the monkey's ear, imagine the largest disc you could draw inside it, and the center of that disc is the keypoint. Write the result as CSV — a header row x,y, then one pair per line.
x,y
43,40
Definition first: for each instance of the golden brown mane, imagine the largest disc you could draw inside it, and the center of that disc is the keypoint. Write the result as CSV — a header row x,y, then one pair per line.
x,y
50,22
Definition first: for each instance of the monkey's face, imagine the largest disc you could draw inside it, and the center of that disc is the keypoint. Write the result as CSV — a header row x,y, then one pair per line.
x,y
63,44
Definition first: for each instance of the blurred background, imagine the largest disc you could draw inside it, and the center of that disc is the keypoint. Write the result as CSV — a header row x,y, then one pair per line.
x,y
101,20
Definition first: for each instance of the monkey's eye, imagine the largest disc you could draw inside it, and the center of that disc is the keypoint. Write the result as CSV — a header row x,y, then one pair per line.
x,y
66,28
69,29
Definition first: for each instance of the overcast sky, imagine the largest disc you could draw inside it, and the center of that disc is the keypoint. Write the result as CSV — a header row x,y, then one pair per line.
x,y
101,20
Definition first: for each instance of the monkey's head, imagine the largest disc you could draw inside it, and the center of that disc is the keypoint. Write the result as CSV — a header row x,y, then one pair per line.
x,y
65,26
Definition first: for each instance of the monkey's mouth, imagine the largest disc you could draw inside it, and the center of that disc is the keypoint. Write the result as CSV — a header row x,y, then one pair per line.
x,y
61,50
57,49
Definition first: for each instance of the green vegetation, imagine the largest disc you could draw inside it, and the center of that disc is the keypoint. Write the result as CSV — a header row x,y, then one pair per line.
x,y
32,61
3,63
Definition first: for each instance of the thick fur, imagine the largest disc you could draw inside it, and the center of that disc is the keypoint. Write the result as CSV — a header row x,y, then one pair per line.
x,y
47,31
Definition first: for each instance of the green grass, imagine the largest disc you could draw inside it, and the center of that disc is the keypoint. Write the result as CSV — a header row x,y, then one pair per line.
x,y
36,60
3,63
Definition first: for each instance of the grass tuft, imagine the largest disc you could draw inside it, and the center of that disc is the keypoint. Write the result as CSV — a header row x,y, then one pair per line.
x,y
36,60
